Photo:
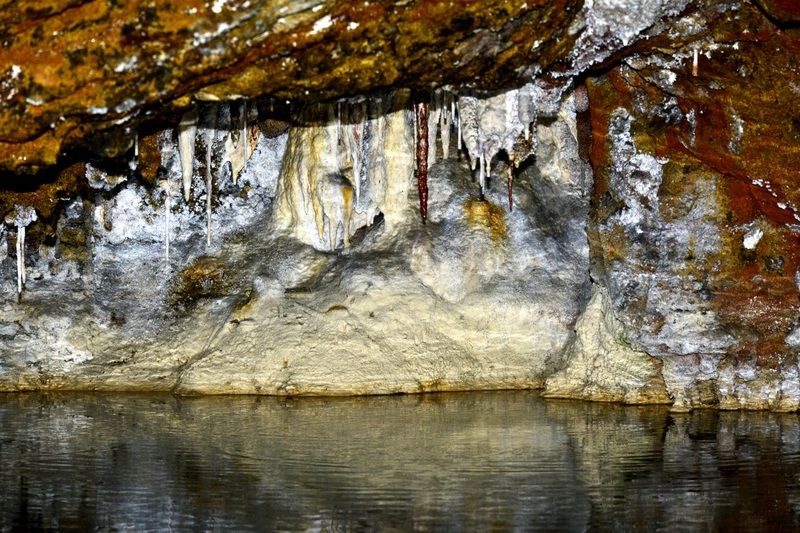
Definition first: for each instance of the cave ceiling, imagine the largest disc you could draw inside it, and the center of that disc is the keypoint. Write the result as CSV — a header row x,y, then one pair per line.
x,y
73,72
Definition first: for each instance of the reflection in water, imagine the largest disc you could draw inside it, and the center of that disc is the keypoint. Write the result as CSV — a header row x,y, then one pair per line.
x,y
476,461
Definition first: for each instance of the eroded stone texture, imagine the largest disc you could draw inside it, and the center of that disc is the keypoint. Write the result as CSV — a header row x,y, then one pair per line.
x,y
601,365
70,70
89,80
696,206
477,298
262,247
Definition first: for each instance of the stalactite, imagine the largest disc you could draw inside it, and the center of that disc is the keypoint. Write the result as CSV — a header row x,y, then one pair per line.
x,y
209,184
487,161
325,161
20,259
186,140
446,119
421,113
378,124
511,185
358,165
21,218
243,142
134,163
434,113
501,122
239,144
458,130
351,131
347,201
481,176
165,184
231,149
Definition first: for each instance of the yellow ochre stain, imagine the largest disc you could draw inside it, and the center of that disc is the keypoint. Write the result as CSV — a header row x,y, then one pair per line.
x,y
484,214
347,199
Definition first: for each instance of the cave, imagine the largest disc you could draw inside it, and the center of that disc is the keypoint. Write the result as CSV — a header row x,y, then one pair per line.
x,y
594,199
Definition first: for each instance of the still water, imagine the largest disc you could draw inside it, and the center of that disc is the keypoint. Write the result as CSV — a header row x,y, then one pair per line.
x,y
453,462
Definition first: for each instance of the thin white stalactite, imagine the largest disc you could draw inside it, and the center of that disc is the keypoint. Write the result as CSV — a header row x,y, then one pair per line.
x,y
358,165
21,218
458,130
346,133
444,125
187,129
489,126
22,256
434,111
20,259
165,184
487,161
357,171
209,184
243,141
481,177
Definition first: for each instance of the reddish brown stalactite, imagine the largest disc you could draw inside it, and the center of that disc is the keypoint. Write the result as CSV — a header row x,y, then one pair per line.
x,y
421,115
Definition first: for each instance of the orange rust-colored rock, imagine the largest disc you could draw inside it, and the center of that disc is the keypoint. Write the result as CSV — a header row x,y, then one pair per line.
x,y
149,157
43,194
730,137
71,69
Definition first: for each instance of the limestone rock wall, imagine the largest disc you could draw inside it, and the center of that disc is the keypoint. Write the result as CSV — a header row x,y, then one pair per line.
x,y
621,225
695,154
236,290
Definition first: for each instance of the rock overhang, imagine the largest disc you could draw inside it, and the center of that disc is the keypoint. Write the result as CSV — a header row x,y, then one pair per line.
x,y
678,116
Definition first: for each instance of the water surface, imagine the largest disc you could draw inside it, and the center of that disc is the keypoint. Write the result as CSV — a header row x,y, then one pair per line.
x,y
455,462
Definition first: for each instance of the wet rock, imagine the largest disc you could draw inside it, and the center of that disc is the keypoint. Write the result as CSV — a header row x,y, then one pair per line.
x,y
268,308
255,237
602,365
695,205
98,67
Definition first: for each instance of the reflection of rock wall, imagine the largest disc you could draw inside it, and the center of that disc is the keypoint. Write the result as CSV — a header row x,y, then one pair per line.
x,y
704,470
471,462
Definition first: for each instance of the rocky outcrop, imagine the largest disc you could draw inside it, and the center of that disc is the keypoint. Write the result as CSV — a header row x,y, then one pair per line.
x,y
620,225
314,282
87,73
90,68
695,227
601,365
